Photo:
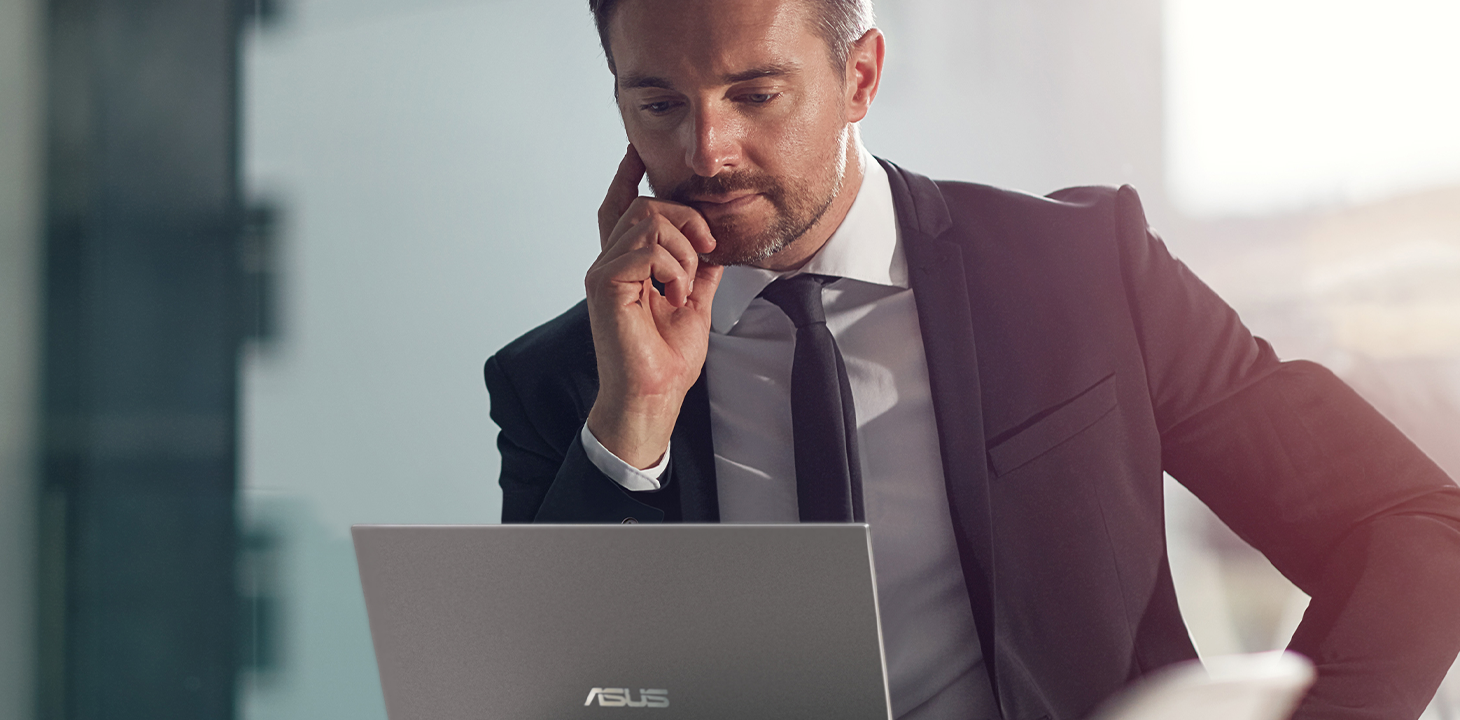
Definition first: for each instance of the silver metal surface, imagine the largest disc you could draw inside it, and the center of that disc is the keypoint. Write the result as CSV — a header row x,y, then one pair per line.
x,y
525,621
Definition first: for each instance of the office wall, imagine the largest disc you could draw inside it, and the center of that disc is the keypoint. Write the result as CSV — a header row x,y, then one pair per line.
x,y
1034,95
20,144
434,167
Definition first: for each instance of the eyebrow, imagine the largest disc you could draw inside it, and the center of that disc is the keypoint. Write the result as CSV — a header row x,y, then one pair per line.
x,y
760,72
632,82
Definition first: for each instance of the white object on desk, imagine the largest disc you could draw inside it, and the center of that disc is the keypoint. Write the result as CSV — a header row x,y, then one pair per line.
x,y
1259,686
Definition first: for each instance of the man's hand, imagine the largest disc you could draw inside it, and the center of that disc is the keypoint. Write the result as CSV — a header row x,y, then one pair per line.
x,y
650,347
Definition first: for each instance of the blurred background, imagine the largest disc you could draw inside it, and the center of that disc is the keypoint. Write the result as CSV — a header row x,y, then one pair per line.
x,y
254,252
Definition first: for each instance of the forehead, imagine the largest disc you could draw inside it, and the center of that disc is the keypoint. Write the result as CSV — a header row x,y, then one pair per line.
x,y
697,40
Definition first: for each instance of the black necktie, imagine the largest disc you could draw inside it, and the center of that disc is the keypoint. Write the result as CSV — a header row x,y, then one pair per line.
x,y
823,420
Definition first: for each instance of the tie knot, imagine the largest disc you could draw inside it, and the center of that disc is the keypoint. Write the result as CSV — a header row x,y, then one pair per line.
x,y
799,297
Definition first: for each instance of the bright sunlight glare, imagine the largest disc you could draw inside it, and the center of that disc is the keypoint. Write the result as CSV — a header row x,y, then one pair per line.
x,y
1282,105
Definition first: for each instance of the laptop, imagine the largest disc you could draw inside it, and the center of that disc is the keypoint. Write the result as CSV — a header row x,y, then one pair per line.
x,y
662,622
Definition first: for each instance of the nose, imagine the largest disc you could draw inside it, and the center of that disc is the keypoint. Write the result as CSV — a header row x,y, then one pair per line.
x,y
711,143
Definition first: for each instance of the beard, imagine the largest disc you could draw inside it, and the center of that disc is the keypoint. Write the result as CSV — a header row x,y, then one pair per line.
x,y
740,240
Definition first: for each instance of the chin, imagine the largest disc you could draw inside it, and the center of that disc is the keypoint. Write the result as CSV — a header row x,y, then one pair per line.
x,y
735,245
728,255
748,252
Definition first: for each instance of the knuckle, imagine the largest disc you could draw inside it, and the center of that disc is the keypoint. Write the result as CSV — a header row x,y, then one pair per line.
x,y
638,255
671,262
631,219
644,232
675,213
622,236
670,233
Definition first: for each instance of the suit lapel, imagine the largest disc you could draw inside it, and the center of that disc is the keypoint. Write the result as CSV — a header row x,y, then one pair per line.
x,y
940,288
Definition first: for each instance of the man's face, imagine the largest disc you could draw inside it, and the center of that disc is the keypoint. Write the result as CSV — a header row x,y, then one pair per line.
x,y
736,110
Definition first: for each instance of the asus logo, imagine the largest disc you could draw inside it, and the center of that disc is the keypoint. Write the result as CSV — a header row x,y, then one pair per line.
x,y
621,697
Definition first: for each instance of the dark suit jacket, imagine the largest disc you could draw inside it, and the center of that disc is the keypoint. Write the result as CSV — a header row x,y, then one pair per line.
x,y
1072,360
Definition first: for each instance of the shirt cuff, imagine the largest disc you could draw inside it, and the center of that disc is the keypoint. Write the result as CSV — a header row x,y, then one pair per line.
x,y
630,477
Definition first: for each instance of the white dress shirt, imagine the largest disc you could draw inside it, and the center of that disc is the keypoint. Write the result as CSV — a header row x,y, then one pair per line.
x,y
934,664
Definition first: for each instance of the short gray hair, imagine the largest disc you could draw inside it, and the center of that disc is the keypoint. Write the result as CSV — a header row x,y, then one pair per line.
x,y
839,22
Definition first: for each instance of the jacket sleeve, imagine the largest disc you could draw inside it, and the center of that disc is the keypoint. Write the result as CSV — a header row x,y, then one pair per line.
x,y
1303,469
546,481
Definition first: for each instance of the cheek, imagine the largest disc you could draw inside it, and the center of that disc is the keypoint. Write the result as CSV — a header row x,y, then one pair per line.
x,y
663,170
809,136
659,183
651,139
659,156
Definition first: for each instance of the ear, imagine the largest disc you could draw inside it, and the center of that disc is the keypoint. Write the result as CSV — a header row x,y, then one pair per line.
x,y
863,72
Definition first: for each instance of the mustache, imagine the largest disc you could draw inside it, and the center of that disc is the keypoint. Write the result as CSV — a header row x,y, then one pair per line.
x,y
697,186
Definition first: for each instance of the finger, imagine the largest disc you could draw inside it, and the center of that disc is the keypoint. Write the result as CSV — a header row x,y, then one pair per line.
x,y
707,280
622,191
655,230
688,220
637,266
678,246
670,242
628,260
697,230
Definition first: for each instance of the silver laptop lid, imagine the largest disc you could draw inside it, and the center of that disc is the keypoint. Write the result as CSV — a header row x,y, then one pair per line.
x,y
654,621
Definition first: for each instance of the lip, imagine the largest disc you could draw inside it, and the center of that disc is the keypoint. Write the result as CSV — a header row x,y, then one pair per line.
x,y
720,203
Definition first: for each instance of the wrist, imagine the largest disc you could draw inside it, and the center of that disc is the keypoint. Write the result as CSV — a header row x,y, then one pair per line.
x,y
637,432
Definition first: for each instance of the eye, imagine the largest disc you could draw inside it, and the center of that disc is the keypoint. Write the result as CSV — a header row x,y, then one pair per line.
x,y
658,108
760,98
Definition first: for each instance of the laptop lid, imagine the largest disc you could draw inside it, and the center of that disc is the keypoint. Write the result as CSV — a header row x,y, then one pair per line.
x,y
653,621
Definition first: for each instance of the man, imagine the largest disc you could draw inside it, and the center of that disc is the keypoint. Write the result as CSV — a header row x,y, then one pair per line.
x,y
791,330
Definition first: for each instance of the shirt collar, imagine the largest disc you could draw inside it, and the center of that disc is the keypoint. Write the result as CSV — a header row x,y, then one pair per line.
x,y
864,247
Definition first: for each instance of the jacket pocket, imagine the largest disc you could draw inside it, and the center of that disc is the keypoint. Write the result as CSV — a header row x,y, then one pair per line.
x,y
1053,427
